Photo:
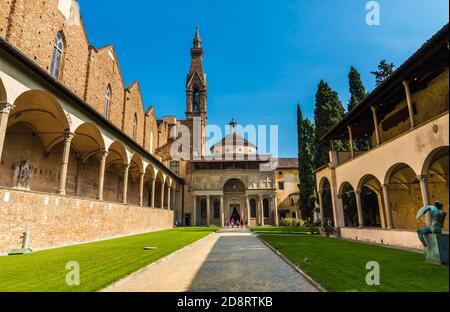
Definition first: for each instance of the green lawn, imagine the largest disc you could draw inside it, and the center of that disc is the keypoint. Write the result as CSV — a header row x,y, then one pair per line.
x,y
294,230
101,263
340,266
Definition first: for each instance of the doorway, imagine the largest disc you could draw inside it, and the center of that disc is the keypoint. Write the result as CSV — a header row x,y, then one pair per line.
x,y
235,214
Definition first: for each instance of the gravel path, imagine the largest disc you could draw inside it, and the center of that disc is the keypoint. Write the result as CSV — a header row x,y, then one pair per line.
x,y
229,261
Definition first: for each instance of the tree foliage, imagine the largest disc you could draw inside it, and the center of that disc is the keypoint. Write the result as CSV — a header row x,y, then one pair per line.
x,y
357,95
328,113
357,89
306,135
384,71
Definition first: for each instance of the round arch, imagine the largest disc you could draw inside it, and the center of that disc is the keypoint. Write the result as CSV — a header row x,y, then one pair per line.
x,y
88,140
42,113
436,169
234,185
405,196
348,197
327,203
371,194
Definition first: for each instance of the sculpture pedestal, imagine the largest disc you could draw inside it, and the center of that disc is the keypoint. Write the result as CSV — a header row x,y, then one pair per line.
x,y
437,248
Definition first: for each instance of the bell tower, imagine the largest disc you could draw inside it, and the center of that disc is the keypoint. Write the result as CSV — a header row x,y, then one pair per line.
x,y
197,93
196,84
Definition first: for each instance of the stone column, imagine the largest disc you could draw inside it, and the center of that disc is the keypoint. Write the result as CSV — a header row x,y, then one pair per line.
x,y
261,209
5,110
208,210
410,103
375,124
169,199
141,188
423,179
65,162
163,190
322,214
249,213
153,192
222,212
277,217
359,209
350,136
387,206
126,169
101,174
194,212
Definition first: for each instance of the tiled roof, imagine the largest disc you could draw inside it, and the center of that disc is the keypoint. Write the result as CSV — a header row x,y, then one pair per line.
x,y
287,163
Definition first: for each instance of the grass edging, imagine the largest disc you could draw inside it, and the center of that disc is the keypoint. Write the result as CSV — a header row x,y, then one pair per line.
x,y
295,267
155,263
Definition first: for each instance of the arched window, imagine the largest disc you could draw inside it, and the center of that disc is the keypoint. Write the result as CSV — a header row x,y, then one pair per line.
x,y
135,124
196,101
107,104
58,50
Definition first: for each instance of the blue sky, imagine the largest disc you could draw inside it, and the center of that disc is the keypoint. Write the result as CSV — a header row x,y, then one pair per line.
x,y
262,57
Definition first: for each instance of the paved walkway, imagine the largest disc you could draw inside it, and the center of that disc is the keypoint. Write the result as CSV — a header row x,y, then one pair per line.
x,y
229,261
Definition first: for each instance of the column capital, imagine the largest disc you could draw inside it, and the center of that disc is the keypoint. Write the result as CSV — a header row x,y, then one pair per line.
x,y
6,107
68,136
358,192
103,153
339,196
385,186
423,178
126,166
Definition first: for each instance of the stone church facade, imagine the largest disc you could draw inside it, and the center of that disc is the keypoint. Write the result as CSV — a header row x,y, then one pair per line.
x,y
81,159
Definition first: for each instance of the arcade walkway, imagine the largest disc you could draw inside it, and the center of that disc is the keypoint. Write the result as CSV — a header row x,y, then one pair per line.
x,y
233,260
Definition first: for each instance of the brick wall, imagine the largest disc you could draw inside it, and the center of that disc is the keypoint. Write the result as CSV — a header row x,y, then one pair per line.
x,y
134,106
54,221
103,71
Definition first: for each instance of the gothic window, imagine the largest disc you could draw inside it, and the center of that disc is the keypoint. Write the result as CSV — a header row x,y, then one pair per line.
x,y
196,101
175,167
266,208
58,50
135,124
107,103
253,208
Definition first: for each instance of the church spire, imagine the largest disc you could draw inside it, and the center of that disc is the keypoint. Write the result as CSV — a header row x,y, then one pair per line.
x,y
197,39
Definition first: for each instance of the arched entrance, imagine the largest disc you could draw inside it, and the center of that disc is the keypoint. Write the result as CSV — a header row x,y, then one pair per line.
x,y
347,195
326,202
372,201
405,196
436,170
235,207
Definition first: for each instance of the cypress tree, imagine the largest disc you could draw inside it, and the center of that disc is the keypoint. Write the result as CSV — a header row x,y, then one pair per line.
x,y
357,89
357,95
306,168
383,72
329,111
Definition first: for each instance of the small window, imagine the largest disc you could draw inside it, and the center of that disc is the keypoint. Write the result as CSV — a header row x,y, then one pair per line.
x,y
281,185
135,124
107,103
175,167
280,173
58,51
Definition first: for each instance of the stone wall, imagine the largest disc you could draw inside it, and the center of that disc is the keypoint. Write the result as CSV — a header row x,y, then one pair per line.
x,y
396,238
54,221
